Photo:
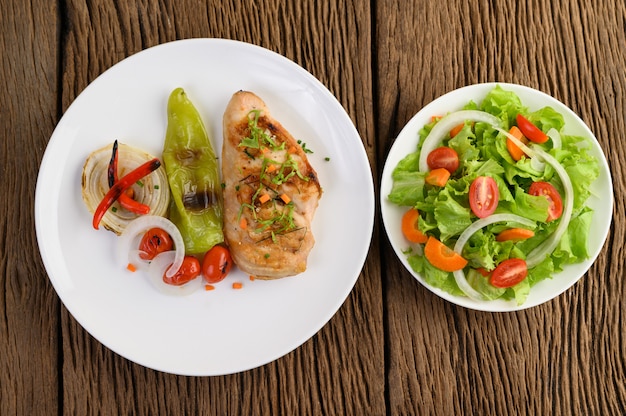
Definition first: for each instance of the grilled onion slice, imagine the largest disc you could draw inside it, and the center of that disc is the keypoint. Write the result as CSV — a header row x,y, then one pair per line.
x,y
153,190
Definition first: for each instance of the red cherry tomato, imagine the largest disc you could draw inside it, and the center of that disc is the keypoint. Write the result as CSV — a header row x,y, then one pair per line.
x,y
155,241
552,195
216,264
509,273
530,131
443,157
483,196
189,270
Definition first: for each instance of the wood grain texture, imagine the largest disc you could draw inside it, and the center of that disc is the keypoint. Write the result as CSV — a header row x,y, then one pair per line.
x,y
29,308
393,347
530,361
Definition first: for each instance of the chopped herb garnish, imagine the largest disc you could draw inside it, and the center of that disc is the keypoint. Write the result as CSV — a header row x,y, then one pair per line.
x,y
140,183
327,159
156,186
259,137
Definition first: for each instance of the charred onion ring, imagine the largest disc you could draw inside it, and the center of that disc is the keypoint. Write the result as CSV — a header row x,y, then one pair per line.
x,y
153,190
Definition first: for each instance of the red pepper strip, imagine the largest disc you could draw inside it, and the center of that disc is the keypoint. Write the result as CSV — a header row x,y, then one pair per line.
x,y
125,201
120,186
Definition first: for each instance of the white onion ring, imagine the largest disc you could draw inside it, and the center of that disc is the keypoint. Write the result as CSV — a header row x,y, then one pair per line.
x,y
446,124
542,250
546,247
157,268
459,275
95,185
138,227
556,138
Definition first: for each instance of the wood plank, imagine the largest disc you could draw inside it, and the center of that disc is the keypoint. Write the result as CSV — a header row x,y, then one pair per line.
x,y
566,356
341,369
29,345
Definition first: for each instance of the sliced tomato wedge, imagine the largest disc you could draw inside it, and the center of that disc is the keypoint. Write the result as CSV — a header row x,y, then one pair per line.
x,y
530,131
509,273
443,157
483,196
552,195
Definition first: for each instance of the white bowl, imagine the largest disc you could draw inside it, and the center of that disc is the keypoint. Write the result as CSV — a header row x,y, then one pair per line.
x,y
601,200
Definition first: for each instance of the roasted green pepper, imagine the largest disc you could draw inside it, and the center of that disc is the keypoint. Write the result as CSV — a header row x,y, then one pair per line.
x,y
193,174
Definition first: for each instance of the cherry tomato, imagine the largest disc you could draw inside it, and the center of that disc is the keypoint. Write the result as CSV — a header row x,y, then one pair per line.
x,y
189,270
443,157
484,272
509,273
483,196
216,264
153,242
552,195
530,131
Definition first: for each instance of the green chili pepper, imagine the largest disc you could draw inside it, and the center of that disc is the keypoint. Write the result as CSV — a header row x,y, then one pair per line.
x,y
193,174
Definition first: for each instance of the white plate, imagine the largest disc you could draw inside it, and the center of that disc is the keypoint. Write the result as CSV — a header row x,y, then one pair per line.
x,y
222,331
601,200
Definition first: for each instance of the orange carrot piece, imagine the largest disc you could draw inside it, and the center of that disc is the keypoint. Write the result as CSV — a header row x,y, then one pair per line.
x,y
270,168
442,257
243,223
516,234
456,129
438,177
515,152
264,198
209,287
410,228
131,267
252,278
285,198
237,285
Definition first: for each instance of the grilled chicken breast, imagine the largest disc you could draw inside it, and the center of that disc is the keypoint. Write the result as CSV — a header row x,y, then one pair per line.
x,y
271,192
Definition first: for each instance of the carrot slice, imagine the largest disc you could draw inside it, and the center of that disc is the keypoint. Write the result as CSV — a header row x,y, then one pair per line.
x,y
442,257
264,198
438,177
285,198
515,152
410,228
515,234
456,129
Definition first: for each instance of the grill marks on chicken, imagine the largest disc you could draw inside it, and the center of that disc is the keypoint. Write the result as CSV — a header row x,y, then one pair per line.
x,y
271,191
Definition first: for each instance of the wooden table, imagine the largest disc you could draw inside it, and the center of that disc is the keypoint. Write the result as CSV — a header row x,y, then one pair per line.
x,y
393,347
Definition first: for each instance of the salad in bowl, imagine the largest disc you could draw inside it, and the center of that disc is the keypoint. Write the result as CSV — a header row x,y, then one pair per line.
x,y
496,197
